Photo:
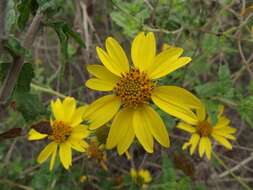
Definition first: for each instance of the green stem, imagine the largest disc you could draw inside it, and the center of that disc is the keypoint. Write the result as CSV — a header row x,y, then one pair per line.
x,y
243,184
47,90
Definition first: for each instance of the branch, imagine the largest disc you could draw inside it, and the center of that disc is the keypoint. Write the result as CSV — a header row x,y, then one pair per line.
x,y
2,22
18,62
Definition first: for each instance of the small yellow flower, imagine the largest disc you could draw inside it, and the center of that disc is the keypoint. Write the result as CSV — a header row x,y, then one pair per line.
x,y
140,177
133,89
202,131
83,179
96,151
67,132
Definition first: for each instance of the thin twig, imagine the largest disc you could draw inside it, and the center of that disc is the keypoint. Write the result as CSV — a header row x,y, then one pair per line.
x,y
14,184
47,90
2,22
238,166
243,184
18,62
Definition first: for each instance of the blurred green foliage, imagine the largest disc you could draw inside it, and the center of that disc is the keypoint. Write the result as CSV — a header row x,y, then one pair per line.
x,y
187,24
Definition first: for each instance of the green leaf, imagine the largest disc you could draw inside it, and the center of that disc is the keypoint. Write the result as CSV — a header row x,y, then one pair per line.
x,y
24,9
64,31
245,109
14,47
25,78
130,16
212,110
184,184
4,70
200,187
30,106
223,87
169,174
10,16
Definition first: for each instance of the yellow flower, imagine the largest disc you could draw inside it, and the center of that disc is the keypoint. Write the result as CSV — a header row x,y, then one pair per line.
x,y
83,179
133,89
203,130
66,132
140,177
96,151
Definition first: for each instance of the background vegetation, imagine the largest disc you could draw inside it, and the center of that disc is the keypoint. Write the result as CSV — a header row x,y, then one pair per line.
x,y
51,42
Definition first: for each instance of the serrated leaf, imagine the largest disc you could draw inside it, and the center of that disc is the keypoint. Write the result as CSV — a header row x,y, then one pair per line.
x,y
184,184
245,109
169,175
130,16
223,87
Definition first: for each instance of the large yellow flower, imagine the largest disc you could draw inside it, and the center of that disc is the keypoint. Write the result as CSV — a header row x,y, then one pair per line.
x,y
66,132
133,89
203,130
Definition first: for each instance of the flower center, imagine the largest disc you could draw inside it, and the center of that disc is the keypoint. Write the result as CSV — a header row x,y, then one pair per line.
x,y
134,88
60,131
204,129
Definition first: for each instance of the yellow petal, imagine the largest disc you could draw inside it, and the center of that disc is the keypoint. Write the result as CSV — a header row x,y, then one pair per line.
x,y
69,106
127,138
100,72
222,122
117,54
77,117
170,67
225,129
34,135
194,142
143,50
65,155
133,173
102,110
186,127
109,63
136,46
164,58
201,112
119,129
156,125
208,148
202,146
53,158
177,96
100,85
179,112
224,134
46,152
222,141
186,145
57,109
80,132
78,145
142,130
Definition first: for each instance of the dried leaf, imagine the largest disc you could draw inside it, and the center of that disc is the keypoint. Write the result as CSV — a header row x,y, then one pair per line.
x,y
247,11
42,127
12,133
